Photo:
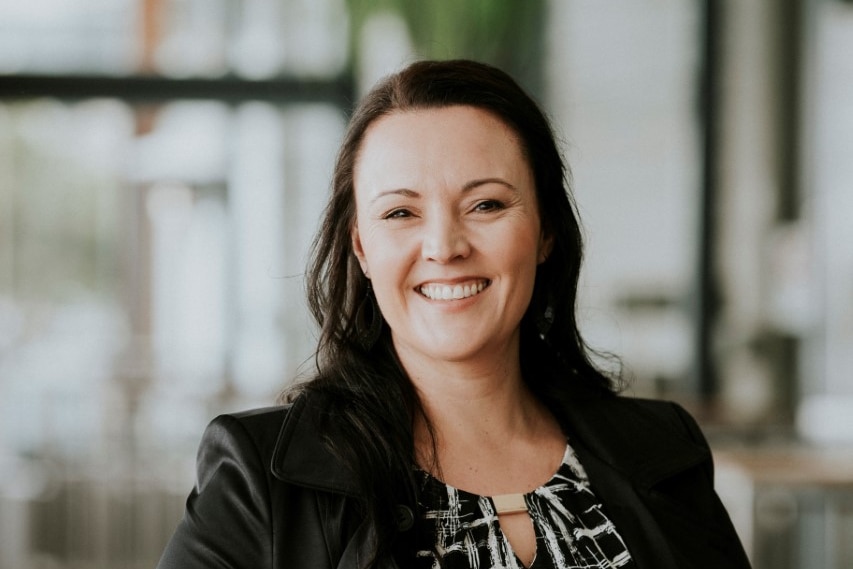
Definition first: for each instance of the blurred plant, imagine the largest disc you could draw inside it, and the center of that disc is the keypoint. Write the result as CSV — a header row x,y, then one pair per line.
x,y
505,33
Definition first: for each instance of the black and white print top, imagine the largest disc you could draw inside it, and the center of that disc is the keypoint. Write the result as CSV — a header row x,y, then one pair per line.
x,y
571,529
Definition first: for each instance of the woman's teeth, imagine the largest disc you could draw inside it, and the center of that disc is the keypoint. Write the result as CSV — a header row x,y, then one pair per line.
x,y
455,292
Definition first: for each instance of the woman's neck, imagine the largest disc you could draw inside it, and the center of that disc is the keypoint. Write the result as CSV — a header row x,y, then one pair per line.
x,y
487,408
486,434
475,409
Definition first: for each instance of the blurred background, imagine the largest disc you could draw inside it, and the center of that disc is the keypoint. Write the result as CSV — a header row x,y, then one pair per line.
x,y
163,165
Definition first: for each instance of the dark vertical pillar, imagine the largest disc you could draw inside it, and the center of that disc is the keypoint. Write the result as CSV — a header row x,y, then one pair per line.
x,y
789,45
706,299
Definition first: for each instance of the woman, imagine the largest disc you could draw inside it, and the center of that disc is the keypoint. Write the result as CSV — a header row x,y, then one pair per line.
x,y
455,419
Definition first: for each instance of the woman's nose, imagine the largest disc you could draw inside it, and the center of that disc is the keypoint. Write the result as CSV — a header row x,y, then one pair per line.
x,y
445,240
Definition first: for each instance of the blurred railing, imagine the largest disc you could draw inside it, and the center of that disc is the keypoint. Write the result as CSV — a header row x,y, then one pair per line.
x,y
793,507
116,512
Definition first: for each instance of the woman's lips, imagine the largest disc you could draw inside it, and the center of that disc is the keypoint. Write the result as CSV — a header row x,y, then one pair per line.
x,y
458,291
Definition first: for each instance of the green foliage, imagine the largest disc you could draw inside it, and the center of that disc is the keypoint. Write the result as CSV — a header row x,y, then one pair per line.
x,y
505,33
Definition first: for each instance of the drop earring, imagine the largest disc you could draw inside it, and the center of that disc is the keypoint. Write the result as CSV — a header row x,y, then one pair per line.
x,y
545,320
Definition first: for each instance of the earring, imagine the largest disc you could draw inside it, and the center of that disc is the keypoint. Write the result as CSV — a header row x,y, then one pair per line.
x,y
368,320
545,320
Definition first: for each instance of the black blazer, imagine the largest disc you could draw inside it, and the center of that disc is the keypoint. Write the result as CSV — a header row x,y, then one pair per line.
x,y
270,496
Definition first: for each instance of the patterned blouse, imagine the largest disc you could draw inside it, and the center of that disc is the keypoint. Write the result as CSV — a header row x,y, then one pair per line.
x,y
571,529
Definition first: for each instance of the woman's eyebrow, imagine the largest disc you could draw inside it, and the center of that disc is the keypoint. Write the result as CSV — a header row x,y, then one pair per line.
x,y
468,186
483,181
396,192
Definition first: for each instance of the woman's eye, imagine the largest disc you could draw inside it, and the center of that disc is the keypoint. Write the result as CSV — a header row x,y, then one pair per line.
x,y
397,214
488,205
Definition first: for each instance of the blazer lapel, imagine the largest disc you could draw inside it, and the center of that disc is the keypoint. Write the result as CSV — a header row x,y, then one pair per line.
x,y
301,457
643,536
626,450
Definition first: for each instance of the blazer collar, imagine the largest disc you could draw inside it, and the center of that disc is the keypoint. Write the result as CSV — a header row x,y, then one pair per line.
x,y
633,436
627,434
301,455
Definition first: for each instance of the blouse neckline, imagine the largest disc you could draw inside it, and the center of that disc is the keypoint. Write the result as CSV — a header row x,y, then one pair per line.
x,y
567,460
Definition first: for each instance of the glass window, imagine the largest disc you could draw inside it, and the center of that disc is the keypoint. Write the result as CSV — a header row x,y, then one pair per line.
x,y
623,86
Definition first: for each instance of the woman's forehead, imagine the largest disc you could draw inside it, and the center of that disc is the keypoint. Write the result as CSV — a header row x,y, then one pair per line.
x,y
457,141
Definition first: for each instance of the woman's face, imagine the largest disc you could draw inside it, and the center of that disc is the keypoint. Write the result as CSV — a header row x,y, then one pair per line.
x,y
448,231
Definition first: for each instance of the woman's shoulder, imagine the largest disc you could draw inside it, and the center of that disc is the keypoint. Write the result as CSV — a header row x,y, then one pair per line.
x,y
256,422
291,440
626,412
261,425
245,439
265,424
635,433
669,414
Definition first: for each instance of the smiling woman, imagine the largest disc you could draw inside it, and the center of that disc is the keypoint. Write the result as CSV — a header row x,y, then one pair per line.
x,y
449,252
455,419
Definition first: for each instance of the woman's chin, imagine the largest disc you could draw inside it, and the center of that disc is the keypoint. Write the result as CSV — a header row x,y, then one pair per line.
x,y
451,349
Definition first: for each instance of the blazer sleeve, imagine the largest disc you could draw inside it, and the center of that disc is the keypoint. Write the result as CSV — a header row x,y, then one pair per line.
x,y
227,522
704,499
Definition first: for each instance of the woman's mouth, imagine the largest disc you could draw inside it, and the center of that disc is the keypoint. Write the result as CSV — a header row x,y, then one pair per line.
x,y
435,291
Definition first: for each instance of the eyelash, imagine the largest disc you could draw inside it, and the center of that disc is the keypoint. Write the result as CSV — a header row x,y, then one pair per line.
x,y
491,205
481,207
397,214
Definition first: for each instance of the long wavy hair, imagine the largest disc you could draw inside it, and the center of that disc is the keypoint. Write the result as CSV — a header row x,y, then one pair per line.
x,y
358,373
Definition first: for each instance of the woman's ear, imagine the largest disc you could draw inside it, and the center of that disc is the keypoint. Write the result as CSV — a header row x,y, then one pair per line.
x,y
358,249
546,245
